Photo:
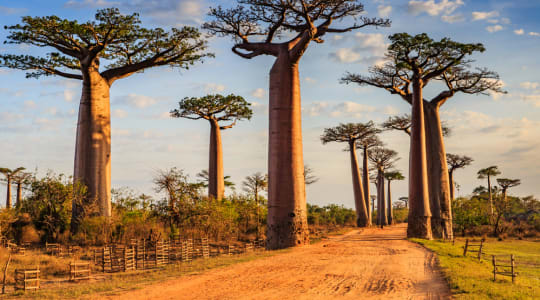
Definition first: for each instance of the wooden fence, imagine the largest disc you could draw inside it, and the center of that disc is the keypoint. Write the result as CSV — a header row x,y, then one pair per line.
x,y
79,271
504,267
474,246
27,279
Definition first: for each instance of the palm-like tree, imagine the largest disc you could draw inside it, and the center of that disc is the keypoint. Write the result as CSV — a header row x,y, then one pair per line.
x,y
382,159
10,174
391,176
20,179
488,173
254,184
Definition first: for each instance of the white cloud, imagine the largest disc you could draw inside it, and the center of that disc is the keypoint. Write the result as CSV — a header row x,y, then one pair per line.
x,y
120,132
494,28
213,87
259,93
531,98
454,18
505,21
482,15
384,10
119,113
29,104
90,3
519,31
389,110
369,49
68,95
315,109
310,80
4,10
532,33
8,117
351,109
529,85
432,8
139,101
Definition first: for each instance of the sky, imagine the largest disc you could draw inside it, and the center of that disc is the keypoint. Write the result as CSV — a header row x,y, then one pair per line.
x,y
38,116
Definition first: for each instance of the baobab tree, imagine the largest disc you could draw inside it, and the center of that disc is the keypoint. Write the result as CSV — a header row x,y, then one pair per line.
x,y
455,162
403,123
413,62
350,133
502,203
77,51
254,184
489,172
391,176
215,109
20,179
382,160
257,27
10,176
365,144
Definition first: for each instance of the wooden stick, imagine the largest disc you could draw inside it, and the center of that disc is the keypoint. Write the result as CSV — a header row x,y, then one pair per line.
x,y
5,274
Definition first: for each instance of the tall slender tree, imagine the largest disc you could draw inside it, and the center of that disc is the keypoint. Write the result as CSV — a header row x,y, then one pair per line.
x,y
254,184
20,179
413,62
502,202
391,176
257,27
350,133
365,144
505,184
215,109
456,162
78,49
489,172
382,160
10,176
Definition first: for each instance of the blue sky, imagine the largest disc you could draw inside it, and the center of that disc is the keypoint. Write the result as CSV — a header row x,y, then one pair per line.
x,y
38,117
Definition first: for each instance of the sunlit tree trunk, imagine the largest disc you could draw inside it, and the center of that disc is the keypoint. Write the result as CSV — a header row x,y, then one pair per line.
x,y
365,173
419,220
390,210
490,197
287,212
8,192
93,144
19,194
452,188
439,182
359,201
216,181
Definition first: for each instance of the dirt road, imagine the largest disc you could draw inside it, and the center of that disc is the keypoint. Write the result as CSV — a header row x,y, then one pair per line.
x,y
373,264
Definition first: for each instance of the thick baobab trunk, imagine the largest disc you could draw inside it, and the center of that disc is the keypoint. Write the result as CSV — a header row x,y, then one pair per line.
x,y
8,193
287,211
382,213
93,145
365,175
19,194
359,201
389,209
451,179
439,183
216,181
419,220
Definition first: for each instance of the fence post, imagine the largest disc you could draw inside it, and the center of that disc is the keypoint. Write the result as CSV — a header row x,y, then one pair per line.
x,y
494,267
480,250
466,246
512,265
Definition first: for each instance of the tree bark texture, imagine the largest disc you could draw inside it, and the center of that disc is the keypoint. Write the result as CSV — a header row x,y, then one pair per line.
x,y
19,195
287,211
389,208
419,220
216,181
93,144
490,198
452,188
383,216
359,201
8,193
365,174
439,183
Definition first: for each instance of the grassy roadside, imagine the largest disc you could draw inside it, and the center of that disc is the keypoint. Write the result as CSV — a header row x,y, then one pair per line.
x,y
473,279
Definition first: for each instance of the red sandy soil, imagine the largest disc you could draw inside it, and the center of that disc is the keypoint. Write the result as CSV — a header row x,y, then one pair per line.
x,y
369,264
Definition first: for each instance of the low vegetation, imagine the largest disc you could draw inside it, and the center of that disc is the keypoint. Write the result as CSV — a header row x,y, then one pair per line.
x,y
473,279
